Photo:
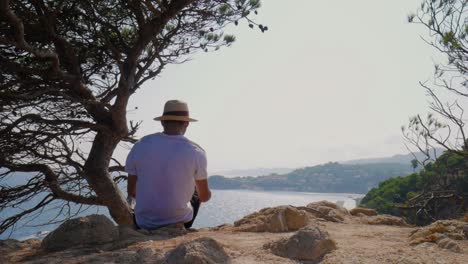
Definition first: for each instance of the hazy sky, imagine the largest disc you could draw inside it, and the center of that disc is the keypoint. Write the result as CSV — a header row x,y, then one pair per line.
x,y
330,80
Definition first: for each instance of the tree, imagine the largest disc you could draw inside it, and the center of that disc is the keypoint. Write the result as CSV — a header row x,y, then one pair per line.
x,y
414,164
444,126
437,191
68,70
447,22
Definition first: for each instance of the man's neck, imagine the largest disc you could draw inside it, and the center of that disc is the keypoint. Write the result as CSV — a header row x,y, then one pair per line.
x,y
173,133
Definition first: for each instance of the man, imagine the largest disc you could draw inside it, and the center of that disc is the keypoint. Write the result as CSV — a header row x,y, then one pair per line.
x,y
163,171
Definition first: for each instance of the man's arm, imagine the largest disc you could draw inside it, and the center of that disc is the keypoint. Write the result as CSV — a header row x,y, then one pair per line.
x,y
131,185
204,193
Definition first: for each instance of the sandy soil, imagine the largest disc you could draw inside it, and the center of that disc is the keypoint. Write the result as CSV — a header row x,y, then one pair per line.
x,y
357,243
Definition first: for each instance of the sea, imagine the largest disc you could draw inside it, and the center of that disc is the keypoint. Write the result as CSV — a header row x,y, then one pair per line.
x,y
225,207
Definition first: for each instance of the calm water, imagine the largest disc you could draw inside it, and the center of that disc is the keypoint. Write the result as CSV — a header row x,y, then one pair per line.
x,y
226,206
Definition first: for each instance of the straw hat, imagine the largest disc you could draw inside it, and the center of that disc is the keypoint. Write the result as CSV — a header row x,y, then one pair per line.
x,y
175,110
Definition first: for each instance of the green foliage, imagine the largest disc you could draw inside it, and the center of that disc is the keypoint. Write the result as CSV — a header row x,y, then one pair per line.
x,y
448,38
255,3
414,163
229,39
393,191
448,172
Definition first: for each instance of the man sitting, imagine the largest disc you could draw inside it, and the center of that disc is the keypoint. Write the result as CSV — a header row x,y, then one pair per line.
x,y
163,171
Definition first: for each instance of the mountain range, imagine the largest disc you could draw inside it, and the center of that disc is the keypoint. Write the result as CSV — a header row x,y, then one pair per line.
x,y
254,172
354,176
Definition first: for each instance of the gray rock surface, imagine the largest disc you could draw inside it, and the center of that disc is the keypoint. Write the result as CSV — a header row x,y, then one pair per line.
x,y
358,211
383,220
449,244
310,243
203,250
89,230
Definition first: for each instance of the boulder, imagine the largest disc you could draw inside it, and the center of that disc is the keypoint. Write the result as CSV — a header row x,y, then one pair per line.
x,y
324,209
13,244
358,211
10,245
11,250
452,229
89,230
276,219
307,244
202,250
327,210
449,244
140,256
383,220
341,210
335,215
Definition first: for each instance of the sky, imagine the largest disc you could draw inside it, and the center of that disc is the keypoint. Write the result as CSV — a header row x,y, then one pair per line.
x,y
329,81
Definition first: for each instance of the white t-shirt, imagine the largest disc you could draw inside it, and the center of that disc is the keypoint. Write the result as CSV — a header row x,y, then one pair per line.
x,y
166,167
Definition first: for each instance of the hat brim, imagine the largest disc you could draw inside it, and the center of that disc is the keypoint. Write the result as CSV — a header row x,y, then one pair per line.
x,y
175,118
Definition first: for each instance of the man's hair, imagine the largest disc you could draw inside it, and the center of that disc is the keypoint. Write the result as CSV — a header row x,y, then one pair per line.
x,y
173,123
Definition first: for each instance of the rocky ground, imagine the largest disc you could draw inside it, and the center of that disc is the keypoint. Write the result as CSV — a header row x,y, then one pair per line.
x,y
317,233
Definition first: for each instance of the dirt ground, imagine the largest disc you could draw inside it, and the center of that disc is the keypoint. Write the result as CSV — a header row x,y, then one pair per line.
x,y
356,243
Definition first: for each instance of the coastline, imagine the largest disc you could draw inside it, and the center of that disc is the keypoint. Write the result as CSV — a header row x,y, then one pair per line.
x,y
228,206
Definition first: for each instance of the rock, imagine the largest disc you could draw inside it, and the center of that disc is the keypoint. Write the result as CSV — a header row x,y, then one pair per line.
x,y
128,235
335,215
276,219
129,232
465,231
327,210
140,256
449,244
10,245
365,211
384,220
202,250
308,243
324,209
340,209
13,244
442,232
410,260
323,203
449,228
89,230
12,250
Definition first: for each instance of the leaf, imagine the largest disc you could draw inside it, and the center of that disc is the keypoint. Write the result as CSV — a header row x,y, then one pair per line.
x,y
229,39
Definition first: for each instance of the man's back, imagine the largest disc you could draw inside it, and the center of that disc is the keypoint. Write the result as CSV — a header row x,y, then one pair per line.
x,y
167,167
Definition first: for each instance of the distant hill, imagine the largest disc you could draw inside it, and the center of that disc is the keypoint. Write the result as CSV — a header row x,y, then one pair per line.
x,y
400,158
253,172
331,177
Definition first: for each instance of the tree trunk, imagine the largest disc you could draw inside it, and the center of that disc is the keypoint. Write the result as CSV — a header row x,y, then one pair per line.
x,y
98,177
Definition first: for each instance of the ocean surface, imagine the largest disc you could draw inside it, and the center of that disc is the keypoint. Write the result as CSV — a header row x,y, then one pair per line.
x,y
225,206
